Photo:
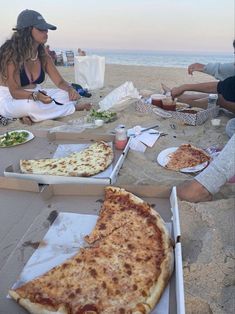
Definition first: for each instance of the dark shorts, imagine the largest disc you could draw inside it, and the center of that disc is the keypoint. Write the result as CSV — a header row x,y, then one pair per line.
x,y
227,88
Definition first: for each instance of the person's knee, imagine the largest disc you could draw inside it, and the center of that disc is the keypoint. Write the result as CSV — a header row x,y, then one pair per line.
x,y
230,127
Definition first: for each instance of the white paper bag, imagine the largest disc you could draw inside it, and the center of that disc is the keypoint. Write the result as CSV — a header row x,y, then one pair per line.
x,y
119,95
89,71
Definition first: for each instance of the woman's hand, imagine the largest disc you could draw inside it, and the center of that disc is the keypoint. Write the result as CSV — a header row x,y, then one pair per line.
x,y
43,97
73,94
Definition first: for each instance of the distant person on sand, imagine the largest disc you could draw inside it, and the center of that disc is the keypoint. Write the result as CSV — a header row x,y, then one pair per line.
x,y
51,53
211,179
81,52
220,71
23,64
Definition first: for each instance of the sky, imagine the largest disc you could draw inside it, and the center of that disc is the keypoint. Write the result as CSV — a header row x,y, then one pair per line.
x,y
161,25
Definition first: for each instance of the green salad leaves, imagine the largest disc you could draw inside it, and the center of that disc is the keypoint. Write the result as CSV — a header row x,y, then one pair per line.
x,y
107,116
13,138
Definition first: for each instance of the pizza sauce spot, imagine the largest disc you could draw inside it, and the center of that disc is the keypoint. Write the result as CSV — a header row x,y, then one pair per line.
x,y
93,272
87,308
102,226
104,284
115,279
134,287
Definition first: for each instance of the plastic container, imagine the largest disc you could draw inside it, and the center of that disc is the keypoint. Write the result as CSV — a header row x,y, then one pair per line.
x,y
212,101
156,99
120,137
99,122
215,122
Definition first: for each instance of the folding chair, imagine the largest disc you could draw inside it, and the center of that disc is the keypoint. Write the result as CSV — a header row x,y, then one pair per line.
x,y
70,57
59,59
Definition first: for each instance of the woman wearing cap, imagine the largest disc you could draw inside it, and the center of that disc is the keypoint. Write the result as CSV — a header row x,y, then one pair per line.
x,y
23,65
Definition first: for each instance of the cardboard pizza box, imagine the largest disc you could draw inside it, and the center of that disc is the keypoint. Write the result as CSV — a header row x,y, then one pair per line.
x,y
79,199
45,144
190,119
195,119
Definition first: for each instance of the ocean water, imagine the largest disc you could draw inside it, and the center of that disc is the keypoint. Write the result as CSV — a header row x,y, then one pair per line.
x,y
160,58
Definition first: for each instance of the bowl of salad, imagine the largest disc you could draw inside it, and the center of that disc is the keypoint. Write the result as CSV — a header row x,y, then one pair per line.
x,y
106,116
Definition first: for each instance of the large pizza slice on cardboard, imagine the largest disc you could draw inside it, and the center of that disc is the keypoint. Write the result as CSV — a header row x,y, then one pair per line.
x,y
125,268
88,162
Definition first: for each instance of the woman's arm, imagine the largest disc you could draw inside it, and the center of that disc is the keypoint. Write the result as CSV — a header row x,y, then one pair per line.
x,y
17,91
58,80
208,87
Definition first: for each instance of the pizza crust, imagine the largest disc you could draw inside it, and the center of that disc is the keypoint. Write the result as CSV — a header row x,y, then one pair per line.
x,y
36,308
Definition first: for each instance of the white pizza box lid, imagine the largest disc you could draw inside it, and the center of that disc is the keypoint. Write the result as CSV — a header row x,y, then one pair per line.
x,y
60,198
49,144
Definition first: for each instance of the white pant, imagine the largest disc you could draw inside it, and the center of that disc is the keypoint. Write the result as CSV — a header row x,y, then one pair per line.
x,y
221,169
36,110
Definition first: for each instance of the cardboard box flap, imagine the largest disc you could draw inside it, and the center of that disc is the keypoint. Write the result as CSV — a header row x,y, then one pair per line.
x,y
92,137
175,212
22,185
179,279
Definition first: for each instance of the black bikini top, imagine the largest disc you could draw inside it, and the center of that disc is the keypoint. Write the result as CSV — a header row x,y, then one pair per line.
x,y
26,80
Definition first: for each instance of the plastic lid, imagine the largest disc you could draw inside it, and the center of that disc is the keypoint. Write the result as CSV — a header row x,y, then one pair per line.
x,y
213,96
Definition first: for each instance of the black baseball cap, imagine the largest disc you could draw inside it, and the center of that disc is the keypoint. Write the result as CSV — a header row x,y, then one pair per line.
x,y
29,18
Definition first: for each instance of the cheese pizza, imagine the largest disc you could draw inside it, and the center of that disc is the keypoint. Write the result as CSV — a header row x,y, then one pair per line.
x,y
92,160
187,156
124,269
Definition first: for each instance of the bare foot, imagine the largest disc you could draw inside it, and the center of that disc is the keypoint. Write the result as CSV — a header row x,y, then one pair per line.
x,y
193,191
80,107
26,120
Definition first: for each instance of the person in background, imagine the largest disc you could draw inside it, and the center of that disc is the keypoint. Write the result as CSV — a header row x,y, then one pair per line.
x,y
200,99
220,71
226,96
51,53
23,65
211,179
81,52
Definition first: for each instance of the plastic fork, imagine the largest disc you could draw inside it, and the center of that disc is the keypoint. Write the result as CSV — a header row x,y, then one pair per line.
x,y
55,101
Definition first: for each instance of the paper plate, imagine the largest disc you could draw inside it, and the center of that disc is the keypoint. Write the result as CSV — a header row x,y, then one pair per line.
x,y
163,158
29,138
162,113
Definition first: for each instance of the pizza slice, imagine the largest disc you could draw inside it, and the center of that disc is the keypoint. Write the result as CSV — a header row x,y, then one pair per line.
x,y
124,270
92,160
187,156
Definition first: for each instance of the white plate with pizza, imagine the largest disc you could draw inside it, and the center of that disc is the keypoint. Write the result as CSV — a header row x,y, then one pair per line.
x,y
185,158
14,138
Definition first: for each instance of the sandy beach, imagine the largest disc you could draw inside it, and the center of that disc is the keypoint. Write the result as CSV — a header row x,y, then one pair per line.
x,y
208,242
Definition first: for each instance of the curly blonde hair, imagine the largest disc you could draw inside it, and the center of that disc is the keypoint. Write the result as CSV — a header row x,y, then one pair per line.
x,y
19,49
